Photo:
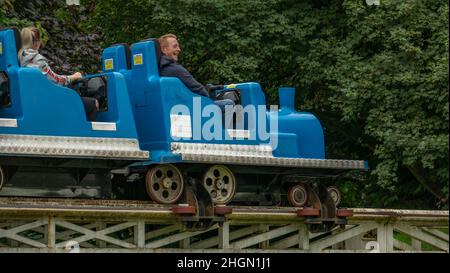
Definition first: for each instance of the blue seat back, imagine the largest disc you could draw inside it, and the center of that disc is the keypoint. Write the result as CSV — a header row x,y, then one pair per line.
x,y
116,58
10,43
144,88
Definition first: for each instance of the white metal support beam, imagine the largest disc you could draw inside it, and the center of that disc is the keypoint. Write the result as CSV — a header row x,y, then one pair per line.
x,y
385,234
342,236
418,234
265,236
255,230
175,238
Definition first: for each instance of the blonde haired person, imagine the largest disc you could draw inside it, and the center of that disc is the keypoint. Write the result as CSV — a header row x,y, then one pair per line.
x,y
29,57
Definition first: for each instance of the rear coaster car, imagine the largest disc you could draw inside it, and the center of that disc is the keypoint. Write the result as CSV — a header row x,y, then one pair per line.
x,y
47,146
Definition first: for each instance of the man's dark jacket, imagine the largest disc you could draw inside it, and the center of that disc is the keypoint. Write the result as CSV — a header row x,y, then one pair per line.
x,y
170,68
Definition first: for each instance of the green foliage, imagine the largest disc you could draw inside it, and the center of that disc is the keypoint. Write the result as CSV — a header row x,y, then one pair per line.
x,y
393,79
68,47
376,76
7,21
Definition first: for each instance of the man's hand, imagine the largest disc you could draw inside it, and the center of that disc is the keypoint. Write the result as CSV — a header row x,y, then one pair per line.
x,y
211,87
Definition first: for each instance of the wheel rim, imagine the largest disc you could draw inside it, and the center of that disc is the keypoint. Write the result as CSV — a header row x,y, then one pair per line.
x,y
164,184
2,178
220,182
297,195
335,194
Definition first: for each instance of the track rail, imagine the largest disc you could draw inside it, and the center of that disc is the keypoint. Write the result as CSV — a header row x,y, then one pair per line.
x,y
135,209
54,225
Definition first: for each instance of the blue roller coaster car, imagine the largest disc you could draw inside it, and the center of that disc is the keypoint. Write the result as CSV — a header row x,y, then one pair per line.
x,y
155,138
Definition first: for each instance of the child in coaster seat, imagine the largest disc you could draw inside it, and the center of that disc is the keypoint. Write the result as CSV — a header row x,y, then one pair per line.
x,y
29,57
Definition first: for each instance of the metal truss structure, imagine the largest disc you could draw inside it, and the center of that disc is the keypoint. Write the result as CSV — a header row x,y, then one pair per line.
x,y
78,226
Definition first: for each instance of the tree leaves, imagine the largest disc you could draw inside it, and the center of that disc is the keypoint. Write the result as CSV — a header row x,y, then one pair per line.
x,y
68,47
376,76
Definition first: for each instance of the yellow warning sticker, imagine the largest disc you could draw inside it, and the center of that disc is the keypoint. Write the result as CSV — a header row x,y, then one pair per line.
x,y
230,86
137,59
1,48
109,64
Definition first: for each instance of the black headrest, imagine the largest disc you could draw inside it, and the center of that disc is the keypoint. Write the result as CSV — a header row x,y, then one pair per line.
x,y
157,49
16,37
127,53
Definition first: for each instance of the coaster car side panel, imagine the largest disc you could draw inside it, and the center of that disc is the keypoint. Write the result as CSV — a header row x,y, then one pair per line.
x,y
43,109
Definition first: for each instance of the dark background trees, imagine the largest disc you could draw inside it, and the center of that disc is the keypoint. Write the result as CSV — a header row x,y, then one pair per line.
x,y
67,44
376,76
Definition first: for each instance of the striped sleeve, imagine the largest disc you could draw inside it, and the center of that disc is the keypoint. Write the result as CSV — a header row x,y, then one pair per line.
x,y
41,62
58,79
